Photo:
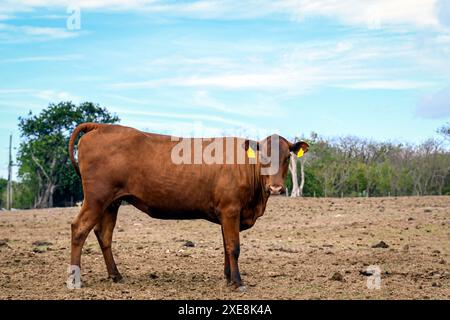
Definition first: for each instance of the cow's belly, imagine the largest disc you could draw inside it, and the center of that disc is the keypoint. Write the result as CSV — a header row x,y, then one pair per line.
x,y
181,214
169,214
172,211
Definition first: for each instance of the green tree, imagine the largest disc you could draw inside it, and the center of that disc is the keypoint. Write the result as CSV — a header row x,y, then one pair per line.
x,y
44,163
3,186
445,131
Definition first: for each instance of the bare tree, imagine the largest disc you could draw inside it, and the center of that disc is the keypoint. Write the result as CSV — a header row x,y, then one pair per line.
x,y
296,192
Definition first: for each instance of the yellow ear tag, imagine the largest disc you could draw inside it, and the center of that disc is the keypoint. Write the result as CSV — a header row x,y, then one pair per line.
x,y
251,153
300,153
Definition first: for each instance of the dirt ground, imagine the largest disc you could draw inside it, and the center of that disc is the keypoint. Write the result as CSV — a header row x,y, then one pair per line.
x,y
300,249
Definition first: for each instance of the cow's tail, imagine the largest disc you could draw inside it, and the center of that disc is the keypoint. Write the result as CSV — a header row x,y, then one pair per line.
x,y
85,128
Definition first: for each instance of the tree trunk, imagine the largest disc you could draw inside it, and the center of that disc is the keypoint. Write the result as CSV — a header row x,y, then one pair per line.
x,y
302,176
293,168
45,196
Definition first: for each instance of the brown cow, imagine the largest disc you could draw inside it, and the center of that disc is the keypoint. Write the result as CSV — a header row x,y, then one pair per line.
x,y
119,163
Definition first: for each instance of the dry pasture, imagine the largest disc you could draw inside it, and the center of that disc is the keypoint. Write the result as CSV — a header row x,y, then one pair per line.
x,y
302,248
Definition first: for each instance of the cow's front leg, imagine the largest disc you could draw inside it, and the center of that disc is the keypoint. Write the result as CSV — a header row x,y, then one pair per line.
x,y
226,268
230,230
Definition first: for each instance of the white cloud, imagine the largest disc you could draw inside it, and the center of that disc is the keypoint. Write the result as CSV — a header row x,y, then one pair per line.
x,y
443,12
56,96
369,13
258,109
261,80
46,32
373,14
13,33
436,105
173,115
269,79
66,57
387,85
362,61
47,95
201,129
443,39
5,17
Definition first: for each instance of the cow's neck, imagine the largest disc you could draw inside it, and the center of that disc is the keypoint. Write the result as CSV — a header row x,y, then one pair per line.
x,y
261,195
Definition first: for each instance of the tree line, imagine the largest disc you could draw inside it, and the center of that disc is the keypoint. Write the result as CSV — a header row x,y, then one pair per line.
x,y
348,166
353,166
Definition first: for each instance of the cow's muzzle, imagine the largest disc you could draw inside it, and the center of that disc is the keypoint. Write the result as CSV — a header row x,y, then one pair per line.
x,y
276,189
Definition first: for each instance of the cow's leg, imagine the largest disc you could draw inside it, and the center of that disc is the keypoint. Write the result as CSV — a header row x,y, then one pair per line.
x,y
230,229
104,232
81,226
226,269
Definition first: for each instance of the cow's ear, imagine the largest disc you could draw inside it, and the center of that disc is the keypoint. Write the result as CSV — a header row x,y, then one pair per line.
x,y
250,144
299,148
250,148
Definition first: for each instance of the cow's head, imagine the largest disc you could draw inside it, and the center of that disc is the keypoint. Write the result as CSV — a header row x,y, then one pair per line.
x,y
273,153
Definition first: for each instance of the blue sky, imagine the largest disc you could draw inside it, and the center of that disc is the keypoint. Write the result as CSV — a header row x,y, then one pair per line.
x,y
375,69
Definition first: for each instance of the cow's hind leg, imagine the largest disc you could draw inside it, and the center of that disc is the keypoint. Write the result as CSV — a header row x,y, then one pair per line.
x,y
104,232
88,217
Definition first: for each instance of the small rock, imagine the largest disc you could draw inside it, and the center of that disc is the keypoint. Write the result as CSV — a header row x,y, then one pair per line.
x,y
274,274
287,250
406,248
381,244
87,251
410,219
366,273
428,210
42,243
153,275
3,242
189,244
40,249
337,277
442,261
436,285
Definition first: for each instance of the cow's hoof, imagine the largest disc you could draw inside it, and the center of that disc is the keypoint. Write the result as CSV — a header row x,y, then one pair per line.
x,y
72,283
237,288
241,289
74,279
116,278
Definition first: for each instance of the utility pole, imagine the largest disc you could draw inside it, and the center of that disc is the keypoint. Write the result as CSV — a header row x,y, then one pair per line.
x,y
9,187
